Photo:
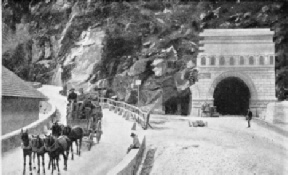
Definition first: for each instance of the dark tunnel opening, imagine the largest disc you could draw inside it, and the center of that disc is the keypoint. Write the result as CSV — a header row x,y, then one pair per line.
x,y
231,96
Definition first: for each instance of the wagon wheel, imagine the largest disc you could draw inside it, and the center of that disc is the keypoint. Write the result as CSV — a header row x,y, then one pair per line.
x,y
89,146
68,112
90,140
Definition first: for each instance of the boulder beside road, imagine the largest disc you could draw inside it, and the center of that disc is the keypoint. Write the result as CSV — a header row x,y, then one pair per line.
x,y
198,123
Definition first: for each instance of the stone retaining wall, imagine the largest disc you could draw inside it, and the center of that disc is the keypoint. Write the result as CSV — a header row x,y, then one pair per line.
x,y
130,164
12,139
277,113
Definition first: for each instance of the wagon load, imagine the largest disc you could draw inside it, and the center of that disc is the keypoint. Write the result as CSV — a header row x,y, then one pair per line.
x,y
87,116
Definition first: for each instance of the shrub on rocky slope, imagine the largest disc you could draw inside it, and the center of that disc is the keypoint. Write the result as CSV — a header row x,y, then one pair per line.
x,y
134,34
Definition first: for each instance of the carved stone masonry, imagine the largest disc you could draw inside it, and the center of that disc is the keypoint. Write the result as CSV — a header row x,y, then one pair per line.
x,y
248,54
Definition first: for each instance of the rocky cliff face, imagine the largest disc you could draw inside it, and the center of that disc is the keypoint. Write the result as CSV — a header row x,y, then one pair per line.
x,y
32,31
119,41
85,55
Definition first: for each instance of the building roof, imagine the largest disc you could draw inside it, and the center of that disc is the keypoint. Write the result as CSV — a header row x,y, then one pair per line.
x,y
14,86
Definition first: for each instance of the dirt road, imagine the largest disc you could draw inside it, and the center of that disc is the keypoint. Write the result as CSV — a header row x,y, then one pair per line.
x,y
226,146
99,160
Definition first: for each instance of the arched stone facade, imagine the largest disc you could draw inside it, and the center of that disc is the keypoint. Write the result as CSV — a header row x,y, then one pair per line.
x,y
247,80
248,54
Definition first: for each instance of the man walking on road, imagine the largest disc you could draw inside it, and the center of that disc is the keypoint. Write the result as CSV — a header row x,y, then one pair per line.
x,y
249,114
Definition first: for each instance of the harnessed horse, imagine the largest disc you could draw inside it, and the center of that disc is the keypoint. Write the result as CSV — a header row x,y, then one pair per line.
x,y
55,147
38,148
27,149
57,129
74,134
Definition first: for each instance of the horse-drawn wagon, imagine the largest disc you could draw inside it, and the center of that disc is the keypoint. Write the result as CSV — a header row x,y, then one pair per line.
x,y
86,116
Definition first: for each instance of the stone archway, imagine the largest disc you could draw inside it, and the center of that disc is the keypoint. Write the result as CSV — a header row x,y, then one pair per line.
x,y
245,78
232,96
246,54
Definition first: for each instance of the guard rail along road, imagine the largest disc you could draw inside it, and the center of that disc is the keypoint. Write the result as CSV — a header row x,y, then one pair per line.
x,y
128,111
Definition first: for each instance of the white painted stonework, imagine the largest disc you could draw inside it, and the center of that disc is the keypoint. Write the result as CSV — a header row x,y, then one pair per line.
x,y
248,54
277,113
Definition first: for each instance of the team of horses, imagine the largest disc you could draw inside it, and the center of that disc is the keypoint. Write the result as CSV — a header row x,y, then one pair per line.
x,y
58,143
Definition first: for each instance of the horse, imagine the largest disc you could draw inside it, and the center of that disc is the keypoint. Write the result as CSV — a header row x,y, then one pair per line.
x,y
57,129
37,145
27,149
74,134
56,146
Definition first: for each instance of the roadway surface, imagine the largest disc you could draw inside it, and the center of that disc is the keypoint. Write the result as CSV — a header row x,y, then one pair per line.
x,y
99,160
225,147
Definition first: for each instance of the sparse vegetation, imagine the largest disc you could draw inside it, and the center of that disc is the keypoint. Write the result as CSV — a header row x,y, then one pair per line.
x,y
135,31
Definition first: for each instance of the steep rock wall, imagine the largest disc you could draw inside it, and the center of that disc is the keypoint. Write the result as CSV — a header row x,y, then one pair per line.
x,y
85,55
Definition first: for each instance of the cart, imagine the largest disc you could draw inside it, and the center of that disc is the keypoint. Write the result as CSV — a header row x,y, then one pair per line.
x,y
209,111
85,120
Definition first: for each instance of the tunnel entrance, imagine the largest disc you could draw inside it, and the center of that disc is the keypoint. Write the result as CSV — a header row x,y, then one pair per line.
x,y
231,96
171,106
182,100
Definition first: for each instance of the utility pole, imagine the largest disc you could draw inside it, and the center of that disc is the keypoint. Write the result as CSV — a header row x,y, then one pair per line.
x,y
138,95
138,83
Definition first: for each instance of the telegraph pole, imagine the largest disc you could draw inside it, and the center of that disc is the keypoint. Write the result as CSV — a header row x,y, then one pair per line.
x,y
138,83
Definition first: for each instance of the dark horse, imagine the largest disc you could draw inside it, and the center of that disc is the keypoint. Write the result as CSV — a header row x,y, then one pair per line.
x,y
57,129
74,134
37,144
27,149
55,147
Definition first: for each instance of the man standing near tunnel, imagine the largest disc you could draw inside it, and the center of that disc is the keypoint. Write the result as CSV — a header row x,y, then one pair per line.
x,y
249,117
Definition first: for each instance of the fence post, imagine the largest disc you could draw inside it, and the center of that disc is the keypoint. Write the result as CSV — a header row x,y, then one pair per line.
x,y
127,109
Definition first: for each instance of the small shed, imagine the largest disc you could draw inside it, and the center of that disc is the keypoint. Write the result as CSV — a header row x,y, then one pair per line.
x,y
20,102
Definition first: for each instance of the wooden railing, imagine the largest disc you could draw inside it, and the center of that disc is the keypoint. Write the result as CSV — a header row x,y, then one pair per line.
x,y
127,110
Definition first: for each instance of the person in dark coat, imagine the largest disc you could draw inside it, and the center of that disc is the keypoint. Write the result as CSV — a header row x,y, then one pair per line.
x,y
88,108
249,117
72,100
72,96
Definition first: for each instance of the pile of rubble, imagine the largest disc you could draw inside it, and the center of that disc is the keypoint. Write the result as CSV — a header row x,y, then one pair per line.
x,y
198,123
